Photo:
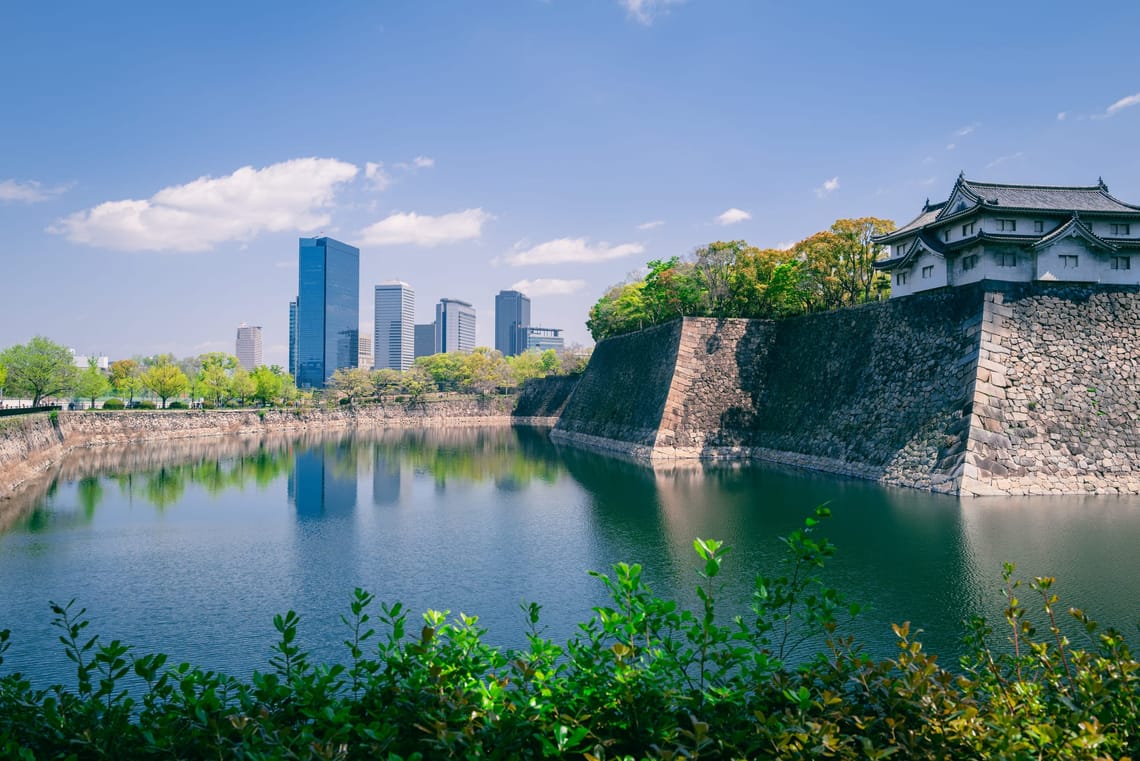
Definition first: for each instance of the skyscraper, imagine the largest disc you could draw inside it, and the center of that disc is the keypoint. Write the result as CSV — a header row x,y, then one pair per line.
x,y
395,325
540,338
454,326
293,339
248,346
328,309
364,356
512,312
425,340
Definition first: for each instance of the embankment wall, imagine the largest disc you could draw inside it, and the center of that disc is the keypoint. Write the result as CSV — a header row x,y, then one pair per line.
x,y
31,446
988,389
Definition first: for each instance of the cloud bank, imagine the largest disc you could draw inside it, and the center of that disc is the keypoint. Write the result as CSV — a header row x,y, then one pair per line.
x,y
548,286
290,196
567,250
410,228
28,192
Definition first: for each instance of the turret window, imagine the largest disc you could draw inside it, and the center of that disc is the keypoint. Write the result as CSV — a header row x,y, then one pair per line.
x,y
928,271
900,278
968,229
1121,229
1122,262
1038,226
1069,261
1007,225
1007,260
969,262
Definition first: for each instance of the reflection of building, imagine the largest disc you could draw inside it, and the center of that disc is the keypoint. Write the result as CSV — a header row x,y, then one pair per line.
x,y
328,309
247,347
323,482
425,340
385,480
454,326
293,339
540,338
512,316
395,325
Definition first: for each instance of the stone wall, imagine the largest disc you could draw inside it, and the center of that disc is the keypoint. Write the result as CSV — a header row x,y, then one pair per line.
x,y
984,389
618,402
31,446
545,398
1057,403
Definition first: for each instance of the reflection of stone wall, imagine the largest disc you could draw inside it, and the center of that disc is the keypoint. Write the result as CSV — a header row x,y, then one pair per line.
x,y
32,446
982,389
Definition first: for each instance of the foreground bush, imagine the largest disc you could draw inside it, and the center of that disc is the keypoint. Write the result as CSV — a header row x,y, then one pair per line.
x,y
113,404
640,679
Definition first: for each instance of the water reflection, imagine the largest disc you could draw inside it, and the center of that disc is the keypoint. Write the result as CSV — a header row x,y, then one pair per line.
x,y
211,538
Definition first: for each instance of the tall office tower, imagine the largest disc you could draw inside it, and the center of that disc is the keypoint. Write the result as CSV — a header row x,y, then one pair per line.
x,y
425,340
248,346
328,310
395,325
512,312
293,339
454,326
364,356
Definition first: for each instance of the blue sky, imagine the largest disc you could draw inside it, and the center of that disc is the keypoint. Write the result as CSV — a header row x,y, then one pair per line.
x,y
158,161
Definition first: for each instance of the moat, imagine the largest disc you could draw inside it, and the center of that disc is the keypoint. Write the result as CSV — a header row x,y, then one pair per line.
x,y
191,548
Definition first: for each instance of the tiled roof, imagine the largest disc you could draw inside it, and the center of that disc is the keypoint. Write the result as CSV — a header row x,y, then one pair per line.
x,y
1074,226
1093,198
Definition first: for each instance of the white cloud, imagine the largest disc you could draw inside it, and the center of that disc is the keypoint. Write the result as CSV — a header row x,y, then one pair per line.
x,y
1123,103
827,188
644,11
963,131
376,176
733,216
565,250
651,225
548,286
1061,115
422,230
292,195
1003,159
423,162
950,146
28,192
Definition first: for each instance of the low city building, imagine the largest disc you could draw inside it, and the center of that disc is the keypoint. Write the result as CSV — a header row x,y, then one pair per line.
x,y
1015,233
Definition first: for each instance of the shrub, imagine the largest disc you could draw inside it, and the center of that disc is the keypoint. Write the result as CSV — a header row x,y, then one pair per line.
x,y
113,404
642,678
176,405
145,404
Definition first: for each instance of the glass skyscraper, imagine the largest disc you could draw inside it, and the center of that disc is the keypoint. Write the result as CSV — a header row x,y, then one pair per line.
x,y
512,313
328,310
454,326
293,339
395,325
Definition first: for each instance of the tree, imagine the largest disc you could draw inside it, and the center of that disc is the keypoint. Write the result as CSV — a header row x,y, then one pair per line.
x,y
672,289
38,369
165,381
386,380
242,385
620,310
715,264
447,370
3,379
269,383
485,370
91,383
417,382
125,378
765,283
215,376
859,253
352,383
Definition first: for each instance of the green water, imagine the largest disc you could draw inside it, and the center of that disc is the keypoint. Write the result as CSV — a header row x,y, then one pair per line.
x,y
190,548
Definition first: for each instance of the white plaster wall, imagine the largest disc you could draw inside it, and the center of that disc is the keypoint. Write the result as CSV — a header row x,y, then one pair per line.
x,y
959,276
903,289
937,277
1089,269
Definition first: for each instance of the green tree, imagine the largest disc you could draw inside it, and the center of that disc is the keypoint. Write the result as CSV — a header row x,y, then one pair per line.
x,y
485,370
387,381
416,383
215,375
91,383
859,253
765,283
269,383
448,371
352,383
242,386
525,366
3,379
715,264
165,380
620,310
672,289
125,378
38,369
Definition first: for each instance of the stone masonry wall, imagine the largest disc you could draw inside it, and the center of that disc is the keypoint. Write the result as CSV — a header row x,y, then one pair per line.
x,y
545,397
1057,403
992,388
618,402
31,446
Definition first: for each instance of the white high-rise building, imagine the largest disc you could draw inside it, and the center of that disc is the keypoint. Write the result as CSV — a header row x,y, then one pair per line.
x,y
394,344
248,346
454,326
365,361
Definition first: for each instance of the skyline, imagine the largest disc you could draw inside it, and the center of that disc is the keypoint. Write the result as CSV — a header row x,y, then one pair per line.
x,y
546,147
